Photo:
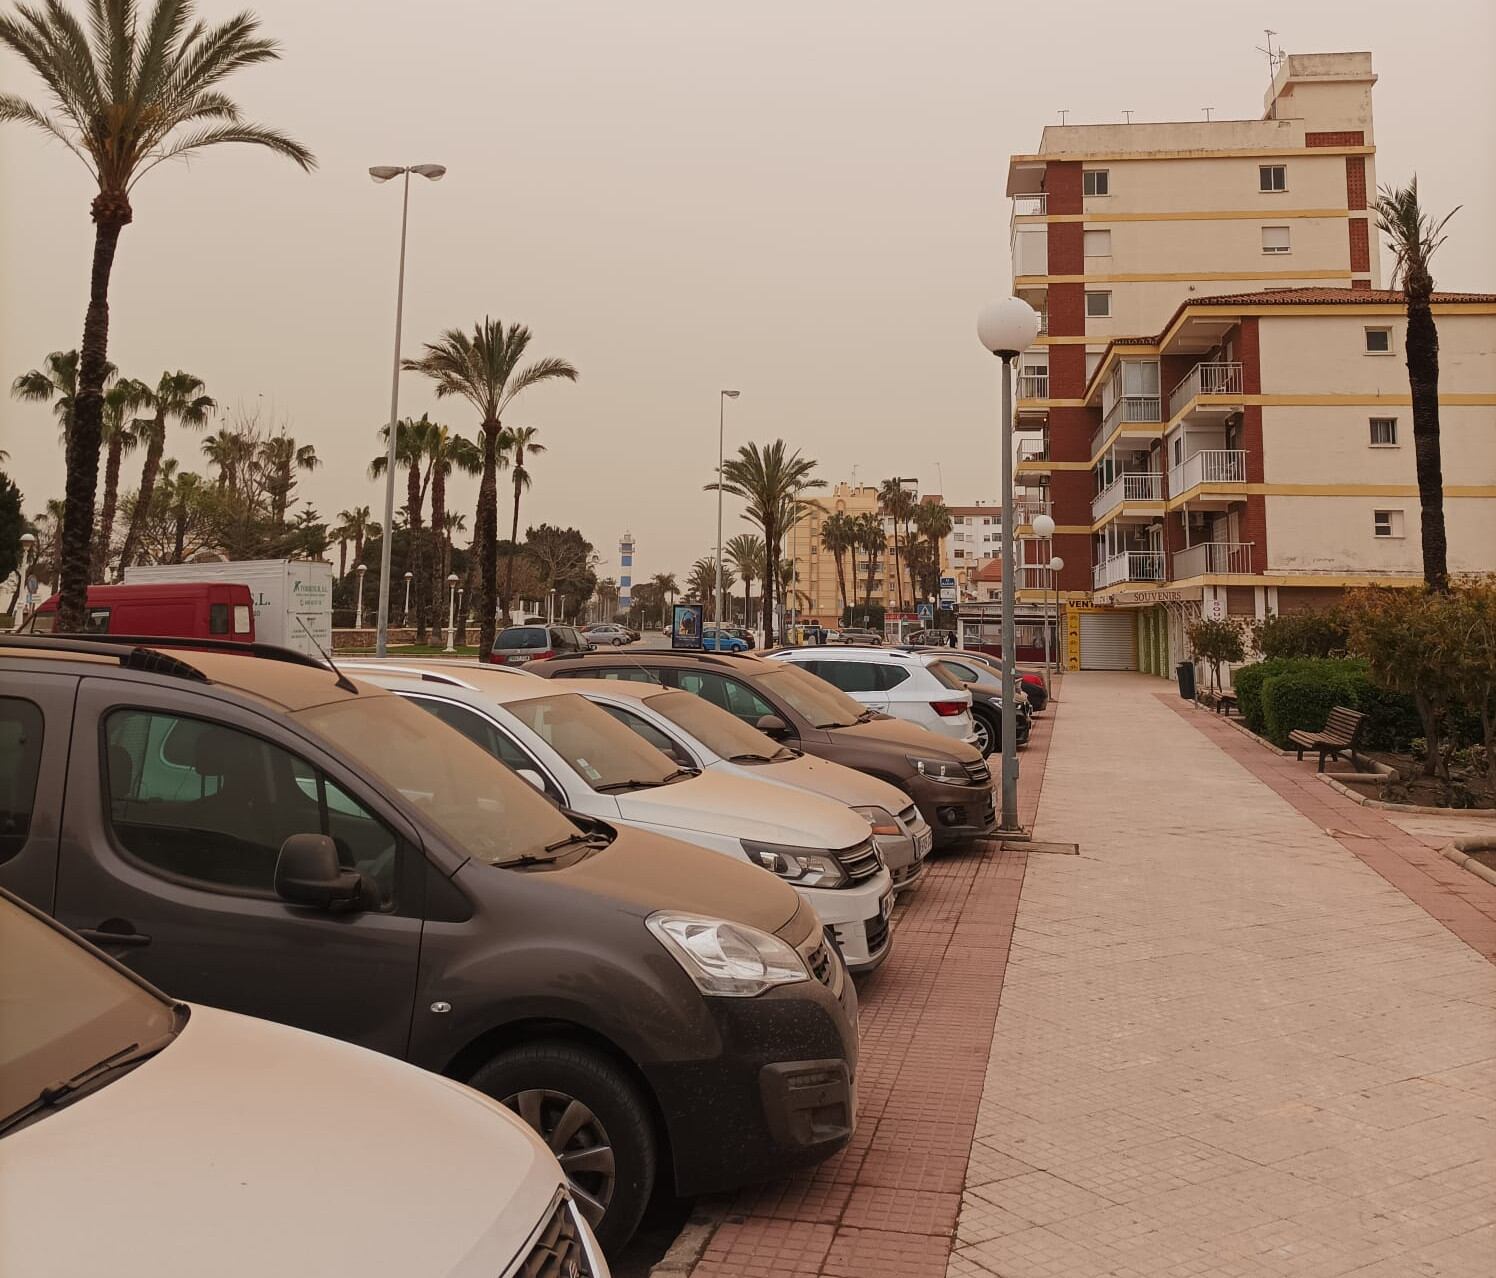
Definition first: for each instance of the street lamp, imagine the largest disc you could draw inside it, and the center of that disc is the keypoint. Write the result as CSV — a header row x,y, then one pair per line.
x,y
409,576
1006,328
28,551
1055,564
722,399
1044,530
451,611
383,173
358,623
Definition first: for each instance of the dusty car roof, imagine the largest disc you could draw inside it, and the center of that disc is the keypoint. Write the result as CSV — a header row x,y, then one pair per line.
x,y
495,685
631,688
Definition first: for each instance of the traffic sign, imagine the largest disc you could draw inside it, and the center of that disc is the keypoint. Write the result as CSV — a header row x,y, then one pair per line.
x,y
926,611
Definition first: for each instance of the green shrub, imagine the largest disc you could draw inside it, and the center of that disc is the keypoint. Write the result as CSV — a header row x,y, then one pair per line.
x,y
1302,634
1302,698
1247,684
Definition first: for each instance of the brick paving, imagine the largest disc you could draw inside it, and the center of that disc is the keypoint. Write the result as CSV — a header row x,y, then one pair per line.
x,y
1251,1030
888,1203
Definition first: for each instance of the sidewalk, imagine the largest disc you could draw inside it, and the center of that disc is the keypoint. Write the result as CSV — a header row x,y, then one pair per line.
x,y
1230,1043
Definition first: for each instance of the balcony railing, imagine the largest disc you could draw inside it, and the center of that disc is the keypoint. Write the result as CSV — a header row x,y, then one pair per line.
x,y
1213,378
1033,385
1129,486
1130,565
1025,508
1125,408
1030,205
1211,557
1035,577
1033,450
1210,466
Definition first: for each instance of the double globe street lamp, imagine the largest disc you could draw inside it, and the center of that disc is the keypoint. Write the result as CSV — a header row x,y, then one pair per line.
x,y
1007,328
1044,530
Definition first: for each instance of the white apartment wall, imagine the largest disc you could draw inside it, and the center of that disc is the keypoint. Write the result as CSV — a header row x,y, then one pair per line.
x,y
1334,535
1142,309
1225,245
1328,92
1298,359
1331,444
1216,185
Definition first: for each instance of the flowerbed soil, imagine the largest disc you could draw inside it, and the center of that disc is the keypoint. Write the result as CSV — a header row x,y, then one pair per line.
x,y
1472,788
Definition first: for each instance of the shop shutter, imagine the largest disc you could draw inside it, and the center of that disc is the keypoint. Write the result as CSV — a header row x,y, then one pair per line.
x,y
1108,641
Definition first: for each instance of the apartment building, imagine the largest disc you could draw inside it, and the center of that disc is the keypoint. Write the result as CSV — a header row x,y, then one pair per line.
x,y
1117,230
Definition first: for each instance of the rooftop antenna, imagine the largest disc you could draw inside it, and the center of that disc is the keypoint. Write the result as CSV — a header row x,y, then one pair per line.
x,y
1274,56
1207,111
1128,114
1064,111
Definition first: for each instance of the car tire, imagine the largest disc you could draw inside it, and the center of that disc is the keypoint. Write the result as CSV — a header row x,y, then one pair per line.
x,y
540,1082
989,732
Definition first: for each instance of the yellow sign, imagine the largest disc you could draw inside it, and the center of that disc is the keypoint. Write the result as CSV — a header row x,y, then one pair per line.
x,y
1072,639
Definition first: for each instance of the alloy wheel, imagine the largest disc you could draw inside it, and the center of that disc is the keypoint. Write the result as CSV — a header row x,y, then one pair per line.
x,y
578,1140
983,735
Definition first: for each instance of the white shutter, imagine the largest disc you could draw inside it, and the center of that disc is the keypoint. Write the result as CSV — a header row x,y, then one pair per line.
x,y
1108,641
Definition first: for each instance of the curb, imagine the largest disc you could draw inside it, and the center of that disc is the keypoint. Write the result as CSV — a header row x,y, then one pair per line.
x,y
1411,809
1458,853
690,1244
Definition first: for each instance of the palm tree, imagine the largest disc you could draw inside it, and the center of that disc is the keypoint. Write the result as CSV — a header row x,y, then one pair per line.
x,y
1415,236
446,451
130,92
897,503
771,480
55,382
839,537
178,395
453,522
232,454
281,458
119,435
746,554
932,521
484,370
665,585
410,453
870,540
356,525
516,443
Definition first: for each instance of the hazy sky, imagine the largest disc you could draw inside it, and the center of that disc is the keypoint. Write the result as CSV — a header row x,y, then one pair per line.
x,y
799,198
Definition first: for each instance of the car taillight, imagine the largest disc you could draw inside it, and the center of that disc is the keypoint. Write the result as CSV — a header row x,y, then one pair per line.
x,y
948,709
541,656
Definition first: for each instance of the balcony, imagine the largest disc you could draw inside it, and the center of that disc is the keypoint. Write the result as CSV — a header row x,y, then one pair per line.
x,y
1033,384
1214,378
1125,408
1213,557
1031,450
1034,205
1025,508
1130,565
1128,486
1210,466
1035,577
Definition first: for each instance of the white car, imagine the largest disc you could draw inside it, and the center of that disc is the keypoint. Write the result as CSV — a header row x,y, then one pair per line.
x,y
590,763
607,633
141,1136
697,734
900,684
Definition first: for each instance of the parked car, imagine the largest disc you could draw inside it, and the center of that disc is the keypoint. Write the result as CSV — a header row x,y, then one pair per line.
x,y
948,780
859,637
139,1135
188,610
271,837
892,682
720,639
932,637
518,645
986,700
743,633
697,734
605,632
588,762
1030,682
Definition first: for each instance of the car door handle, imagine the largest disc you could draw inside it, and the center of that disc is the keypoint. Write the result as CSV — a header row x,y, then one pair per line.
x,y
122,935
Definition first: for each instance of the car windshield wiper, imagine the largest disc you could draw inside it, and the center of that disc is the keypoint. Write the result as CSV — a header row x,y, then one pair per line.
x,y
647,785
867,716
571,840
752,758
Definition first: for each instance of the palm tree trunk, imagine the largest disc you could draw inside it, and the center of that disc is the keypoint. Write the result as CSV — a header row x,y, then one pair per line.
x,y
179,544
1423,378
771,565
342,557
437,595
747,600
486,538
872,569
111,215
106,512
508,596
148,472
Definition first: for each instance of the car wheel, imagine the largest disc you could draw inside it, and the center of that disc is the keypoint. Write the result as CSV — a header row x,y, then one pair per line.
x,y
591,1115
988,734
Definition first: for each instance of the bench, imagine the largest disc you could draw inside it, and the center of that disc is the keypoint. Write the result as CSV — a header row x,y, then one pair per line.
x,y
1219,700
1340,735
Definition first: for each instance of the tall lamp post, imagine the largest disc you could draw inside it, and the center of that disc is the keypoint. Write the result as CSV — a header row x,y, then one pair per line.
x,y
722,399
1055,564
1007,328
409,577
383,173
1044,530
28,555
359,622
451,611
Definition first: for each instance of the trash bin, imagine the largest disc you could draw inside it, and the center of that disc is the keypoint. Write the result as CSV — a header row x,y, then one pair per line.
x,y
1186,672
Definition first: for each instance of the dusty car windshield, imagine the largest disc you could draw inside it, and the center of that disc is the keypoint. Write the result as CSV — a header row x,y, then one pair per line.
x,y
66,1013
718,730
472,798
811,697
603,752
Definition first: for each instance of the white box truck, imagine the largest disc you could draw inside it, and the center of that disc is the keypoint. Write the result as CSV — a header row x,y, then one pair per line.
x,y
286,592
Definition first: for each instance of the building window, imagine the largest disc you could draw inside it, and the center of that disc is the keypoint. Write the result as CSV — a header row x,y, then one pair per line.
x,y
1094,182
1384,432
1275,239
1098,305
1387,523
1272,177
1379,341
1098,243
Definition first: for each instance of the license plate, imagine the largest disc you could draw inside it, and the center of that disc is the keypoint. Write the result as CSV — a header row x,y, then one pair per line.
x,y
922,845
885,906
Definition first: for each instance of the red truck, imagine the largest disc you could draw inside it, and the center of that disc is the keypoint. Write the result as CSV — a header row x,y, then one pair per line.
x,y
188,609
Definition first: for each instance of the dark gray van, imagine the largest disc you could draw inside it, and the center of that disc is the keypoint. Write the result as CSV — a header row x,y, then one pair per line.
x,y
519,645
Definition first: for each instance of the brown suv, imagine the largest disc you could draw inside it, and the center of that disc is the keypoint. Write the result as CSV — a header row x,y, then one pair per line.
x,y
948,780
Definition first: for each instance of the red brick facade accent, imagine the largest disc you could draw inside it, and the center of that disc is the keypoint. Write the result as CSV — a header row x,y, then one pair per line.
x,y
1360,244
1254,514
1355,181
1349,137
1067,248
1062,185
1363,286
1067,310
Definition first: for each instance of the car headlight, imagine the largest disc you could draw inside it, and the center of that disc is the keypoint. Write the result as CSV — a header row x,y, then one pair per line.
x,y
730,960
885,824
805,867
939,769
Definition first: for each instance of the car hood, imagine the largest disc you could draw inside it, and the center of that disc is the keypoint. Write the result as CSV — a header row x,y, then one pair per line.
x,y
246,1148
821,776
735,807
652,872
910,737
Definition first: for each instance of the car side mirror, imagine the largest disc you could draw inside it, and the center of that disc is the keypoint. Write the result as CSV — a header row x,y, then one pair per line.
x,y
533,777
771,725
308,872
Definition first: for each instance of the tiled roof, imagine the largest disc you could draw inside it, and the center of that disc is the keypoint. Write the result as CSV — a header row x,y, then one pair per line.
x,y
1331,296
992,570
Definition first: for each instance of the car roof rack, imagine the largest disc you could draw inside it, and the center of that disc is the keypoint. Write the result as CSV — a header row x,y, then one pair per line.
x,y
131,656
264,651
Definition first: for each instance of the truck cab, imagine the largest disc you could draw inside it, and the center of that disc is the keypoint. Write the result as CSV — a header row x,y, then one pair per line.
x,y
189,610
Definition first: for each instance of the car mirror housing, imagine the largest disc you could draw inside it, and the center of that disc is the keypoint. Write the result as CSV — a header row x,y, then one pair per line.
x,y
308,872
771,725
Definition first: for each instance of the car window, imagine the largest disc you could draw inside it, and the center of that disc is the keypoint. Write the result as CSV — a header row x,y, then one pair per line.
x,y
209,803
484,733
728,694
603,752
218,619
949,677
850,676
721,733
814,699
521,637
642,727
97,621
241,619
632,674
962,672
20,764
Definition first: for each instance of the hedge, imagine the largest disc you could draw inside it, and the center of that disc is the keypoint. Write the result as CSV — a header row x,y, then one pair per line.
x,y
1303,699
1285,694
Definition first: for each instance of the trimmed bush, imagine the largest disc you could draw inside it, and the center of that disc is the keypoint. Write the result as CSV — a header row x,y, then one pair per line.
x,y
1302,634
1302,698
1315,686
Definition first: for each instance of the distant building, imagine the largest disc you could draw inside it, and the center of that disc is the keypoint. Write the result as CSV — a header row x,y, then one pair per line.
x,y
625,571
